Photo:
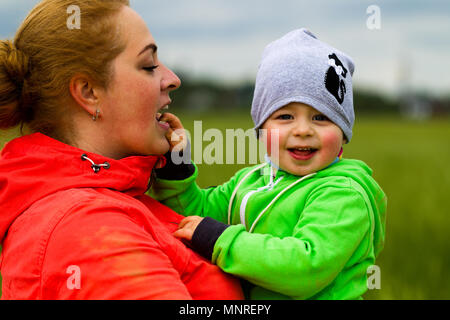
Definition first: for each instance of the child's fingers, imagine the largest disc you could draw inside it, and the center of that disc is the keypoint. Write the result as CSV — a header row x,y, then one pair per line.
x,y
184,222
183,234
187,226
175,134
172,120
169,135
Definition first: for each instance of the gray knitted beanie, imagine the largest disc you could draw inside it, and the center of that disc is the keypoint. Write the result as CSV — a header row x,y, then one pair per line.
x,y
300,68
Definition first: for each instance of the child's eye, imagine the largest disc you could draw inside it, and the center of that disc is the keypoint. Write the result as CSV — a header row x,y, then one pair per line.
x,y
284,117
320,117
150,69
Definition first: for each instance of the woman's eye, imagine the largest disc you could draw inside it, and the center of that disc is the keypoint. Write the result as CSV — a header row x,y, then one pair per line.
x,y
284,117
320,117
150,69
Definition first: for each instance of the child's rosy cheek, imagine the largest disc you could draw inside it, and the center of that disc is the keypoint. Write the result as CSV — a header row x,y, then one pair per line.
x,y
273,140
332,142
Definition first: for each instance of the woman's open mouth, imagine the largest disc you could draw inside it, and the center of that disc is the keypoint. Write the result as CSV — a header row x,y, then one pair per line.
x,y
163,124
302,153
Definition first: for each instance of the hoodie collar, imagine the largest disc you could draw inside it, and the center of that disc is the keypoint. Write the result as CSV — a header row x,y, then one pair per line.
x,y
35,166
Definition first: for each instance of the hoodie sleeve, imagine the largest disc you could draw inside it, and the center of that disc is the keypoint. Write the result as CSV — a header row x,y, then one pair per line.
x,y
185,197
333,228
102,254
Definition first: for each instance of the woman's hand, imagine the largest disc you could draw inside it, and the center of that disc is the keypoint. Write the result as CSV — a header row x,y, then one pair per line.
x,y
176,134
187,227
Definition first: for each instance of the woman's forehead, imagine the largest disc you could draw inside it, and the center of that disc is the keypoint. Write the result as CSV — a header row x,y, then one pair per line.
x,y
135,31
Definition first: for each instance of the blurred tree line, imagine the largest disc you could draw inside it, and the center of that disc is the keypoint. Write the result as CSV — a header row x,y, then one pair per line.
x,y
205,95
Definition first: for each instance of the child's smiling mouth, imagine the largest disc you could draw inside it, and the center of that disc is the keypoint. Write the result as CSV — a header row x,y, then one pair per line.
x,y
302,153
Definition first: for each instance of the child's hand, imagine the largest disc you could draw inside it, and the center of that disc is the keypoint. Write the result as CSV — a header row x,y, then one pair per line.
x,y
176,134
187,227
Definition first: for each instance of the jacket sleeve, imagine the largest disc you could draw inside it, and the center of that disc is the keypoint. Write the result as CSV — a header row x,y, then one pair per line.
x,y
187,198
334,223
101,253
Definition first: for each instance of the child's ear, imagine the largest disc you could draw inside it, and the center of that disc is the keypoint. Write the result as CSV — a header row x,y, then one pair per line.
x,y
344,138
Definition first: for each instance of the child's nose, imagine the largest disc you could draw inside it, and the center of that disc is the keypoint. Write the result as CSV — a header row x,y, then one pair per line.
x,y
303,128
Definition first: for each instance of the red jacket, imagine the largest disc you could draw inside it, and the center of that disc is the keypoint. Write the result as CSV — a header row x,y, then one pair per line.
x,y
70,233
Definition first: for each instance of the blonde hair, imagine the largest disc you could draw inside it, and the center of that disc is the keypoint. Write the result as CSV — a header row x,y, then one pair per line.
x,y
36,68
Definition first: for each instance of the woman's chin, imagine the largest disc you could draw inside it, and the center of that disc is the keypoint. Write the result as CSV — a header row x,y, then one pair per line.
x,y
162,148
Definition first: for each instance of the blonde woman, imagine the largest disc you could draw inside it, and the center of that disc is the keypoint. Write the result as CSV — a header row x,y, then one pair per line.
x,y
74,220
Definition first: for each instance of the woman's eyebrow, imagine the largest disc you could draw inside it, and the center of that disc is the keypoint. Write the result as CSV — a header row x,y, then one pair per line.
x,y
151,47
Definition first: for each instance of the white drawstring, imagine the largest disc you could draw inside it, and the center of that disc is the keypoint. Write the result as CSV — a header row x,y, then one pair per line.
x,y
236,189
276,198
248,195
233,195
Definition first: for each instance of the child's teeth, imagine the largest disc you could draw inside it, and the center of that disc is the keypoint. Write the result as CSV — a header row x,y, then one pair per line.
x,y
158,115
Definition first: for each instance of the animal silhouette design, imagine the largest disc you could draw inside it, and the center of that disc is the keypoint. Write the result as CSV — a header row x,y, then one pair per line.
x,y
333,82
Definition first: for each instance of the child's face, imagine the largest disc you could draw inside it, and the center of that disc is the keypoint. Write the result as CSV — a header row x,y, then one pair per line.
x,y
307,140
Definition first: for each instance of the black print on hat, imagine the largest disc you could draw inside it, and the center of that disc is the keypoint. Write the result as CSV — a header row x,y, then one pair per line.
x,y
333,82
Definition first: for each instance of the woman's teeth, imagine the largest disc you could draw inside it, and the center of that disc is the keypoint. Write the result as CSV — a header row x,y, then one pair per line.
x,y
159,114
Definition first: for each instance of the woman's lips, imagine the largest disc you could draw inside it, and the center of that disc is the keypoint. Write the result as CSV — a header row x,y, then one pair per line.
x,y
302,154
162,124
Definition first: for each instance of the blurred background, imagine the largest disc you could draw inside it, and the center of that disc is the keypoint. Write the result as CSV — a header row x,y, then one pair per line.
x,y
401,95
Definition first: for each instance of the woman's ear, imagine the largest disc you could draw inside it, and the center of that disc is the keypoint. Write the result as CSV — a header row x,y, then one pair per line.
x,y
84,93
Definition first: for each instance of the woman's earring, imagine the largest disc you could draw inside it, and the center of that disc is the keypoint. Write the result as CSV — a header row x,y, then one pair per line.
x,y
95,116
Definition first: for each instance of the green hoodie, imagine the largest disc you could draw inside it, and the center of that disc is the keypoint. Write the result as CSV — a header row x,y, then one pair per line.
x,y
291,237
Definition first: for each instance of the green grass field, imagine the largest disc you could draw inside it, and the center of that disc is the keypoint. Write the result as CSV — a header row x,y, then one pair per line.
x,y
409,160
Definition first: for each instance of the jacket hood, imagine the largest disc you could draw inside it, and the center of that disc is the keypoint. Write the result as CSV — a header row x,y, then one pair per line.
x,y
35,166
361,173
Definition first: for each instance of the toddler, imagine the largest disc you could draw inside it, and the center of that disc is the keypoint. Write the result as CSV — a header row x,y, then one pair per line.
x,y
306,224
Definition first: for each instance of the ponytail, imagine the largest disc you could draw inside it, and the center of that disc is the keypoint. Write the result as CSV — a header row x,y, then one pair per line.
x,y
15,98
37,66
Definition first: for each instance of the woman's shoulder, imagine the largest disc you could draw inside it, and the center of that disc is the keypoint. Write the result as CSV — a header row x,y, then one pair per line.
x,y
74,213
71,227
91,209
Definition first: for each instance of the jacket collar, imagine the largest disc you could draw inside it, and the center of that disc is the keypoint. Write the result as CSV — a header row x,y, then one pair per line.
x,y
35,166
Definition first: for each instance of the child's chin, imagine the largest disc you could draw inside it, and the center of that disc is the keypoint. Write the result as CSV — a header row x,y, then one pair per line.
x,y
300,171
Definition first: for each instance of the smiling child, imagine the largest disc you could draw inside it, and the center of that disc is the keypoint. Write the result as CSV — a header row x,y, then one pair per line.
x,y
306,224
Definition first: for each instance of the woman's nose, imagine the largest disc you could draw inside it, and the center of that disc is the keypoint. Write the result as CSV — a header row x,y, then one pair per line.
x,y
170,80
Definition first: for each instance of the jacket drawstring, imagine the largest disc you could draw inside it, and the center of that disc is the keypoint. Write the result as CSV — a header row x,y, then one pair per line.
x,y
94,166
242,209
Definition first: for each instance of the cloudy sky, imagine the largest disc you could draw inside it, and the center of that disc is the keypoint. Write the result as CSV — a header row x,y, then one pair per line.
x,y
224,39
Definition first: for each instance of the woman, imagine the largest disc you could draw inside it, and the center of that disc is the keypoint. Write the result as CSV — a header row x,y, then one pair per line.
x,y
74,220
